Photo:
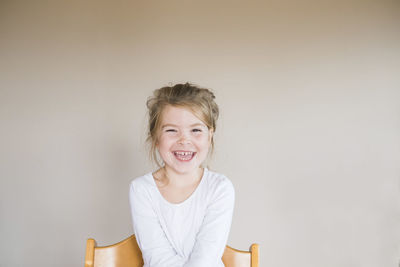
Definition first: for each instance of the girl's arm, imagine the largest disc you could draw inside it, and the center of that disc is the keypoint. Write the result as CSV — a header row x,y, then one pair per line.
x,y
155,247
213,234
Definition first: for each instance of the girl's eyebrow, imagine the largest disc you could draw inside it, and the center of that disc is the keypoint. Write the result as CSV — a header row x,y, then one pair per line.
x,y
168,125
197,124
173,125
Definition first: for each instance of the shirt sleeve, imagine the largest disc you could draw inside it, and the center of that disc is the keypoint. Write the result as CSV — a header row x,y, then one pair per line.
x,y
156,249
213,234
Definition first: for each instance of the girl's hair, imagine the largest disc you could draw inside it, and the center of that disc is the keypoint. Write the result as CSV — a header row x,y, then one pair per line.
x,y
198,100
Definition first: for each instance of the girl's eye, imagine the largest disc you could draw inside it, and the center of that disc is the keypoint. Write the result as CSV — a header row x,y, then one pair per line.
x,y
196,130
171,130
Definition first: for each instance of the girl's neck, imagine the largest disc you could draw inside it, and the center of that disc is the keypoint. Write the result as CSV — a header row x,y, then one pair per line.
x,y
180,179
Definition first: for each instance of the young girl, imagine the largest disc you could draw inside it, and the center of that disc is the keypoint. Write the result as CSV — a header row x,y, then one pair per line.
x,y
182,212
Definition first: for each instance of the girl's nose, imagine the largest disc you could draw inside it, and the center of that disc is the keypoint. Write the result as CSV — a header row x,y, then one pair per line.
x,y
183,139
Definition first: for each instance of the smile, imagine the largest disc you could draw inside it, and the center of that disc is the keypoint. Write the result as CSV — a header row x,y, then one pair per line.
x,y
184,155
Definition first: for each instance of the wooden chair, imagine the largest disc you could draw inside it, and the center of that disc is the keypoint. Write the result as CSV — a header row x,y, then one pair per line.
x,y
127,254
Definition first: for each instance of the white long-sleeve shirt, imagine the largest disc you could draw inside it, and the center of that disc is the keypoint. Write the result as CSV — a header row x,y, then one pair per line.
x,y
192,233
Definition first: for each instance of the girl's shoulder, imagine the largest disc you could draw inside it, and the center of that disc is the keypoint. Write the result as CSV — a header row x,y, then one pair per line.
x,y
143,182
218,181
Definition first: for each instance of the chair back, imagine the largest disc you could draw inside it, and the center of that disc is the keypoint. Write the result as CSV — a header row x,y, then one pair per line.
x,y
127,254
122,254
239,258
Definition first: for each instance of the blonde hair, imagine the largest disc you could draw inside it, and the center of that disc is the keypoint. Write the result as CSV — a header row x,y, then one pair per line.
x,y
198,100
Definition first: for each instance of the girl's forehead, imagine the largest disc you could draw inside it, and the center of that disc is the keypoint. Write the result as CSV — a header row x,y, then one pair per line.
x,y
179,115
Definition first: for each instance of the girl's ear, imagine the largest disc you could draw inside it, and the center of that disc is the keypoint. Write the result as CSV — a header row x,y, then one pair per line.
x,y
157,138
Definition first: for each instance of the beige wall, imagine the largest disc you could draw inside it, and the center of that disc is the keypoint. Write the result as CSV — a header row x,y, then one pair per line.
x,y
309,131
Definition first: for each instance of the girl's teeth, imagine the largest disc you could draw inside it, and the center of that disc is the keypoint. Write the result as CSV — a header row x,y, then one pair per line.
x,y
184,155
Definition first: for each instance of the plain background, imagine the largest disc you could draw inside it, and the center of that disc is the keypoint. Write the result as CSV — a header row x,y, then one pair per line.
x,y
309,131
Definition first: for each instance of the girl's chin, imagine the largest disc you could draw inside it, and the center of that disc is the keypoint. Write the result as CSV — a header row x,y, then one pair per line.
x,y
183,165
184,168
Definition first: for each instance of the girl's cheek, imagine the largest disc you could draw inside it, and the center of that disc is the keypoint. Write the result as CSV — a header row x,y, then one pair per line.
x,y
202,138
198,136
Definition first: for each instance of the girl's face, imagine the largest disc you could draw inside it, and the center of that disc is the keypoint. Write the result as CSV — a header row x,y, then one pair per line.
x,y
183,140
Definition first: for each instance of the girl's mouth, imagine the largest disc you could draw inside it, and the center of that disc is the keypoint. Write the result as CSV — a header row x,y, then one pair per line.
x,y
184,155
